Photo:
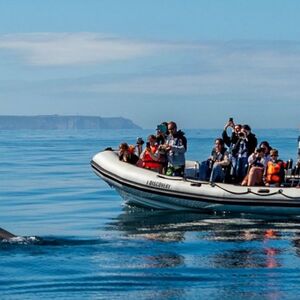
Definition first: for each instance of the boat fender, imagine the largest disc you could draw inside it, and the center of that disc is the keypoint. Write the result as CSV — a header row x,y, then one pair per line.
x,y
263,191
196,184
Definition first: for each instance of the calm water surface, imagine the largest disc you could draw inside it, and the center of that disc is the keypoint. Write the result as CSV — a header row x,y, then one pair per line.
x,y
82,242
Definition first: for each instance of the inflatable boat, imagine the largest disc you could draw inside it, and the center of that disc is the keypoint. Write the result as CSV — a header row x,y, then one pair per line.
x,y
146,188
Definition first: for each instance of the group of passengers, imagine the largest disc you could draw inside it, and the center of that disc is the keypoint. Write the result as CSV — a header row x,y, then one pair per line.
x,y
163,153
242,162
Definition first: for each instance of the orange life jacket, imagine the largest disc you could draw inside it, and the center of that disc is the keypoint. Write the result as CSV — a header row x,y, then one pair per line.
x,y
148,162
273,171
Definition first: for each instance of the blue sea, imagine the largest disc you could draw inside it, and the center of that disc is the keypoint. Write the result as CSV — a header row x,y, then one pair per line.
x,y
77,239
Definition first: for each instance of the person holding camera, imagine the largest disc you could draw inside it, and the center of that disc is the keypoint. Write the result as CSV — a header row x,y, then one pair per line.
x,y
256,168
175,147
150,156
161,133
265,146
243,148
126,154
230,141
161,137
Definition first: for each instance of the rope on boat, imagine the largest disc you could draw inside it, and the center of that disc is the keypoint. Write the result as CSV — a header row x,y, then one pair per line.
x,y
249,191
213,184
229,191
287,196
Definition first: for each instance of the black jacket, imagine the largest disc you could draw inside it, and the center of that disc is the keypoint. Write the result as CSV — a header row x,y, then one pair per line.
x,y
251,143
229,141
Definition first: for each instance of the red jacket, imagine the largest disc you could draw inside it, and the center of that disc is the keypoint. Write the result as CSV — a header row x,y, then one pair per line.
x,y
148,161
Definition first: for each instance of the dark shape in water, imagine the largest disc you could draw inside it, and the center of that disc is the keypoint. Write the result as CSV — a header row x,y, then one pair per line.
x,y
5,234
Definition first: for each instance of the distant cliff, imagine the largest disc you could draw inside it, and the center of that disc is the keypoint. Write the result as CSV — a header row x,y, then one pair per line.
x,y
64,122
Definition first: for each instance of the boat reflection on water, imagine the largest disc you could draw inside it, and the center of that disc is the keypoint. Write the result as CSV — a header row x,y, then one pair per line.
x,y
172,226
226,241
162,226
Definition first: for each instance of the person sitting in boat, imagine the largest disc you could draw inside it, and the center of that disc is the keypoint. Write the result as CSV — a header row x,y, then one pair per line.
x,y
150,156
215,167
175,147
244,146
265,146
126,154
256,168
274,173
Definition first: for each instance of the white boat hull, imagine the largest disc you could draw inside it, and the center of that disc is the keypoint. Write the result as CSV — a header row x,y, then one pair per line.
x,y
146,188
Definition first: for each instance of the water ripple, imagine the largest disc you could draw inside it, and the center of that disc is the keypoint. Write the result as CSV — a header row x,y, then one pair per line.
x,y
80,241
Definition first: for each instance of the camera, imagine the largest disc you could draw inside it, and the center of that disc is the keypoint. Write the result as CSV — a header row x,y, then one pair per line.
x,y
162,128
241,134
162,150
147,145
230,120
